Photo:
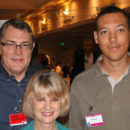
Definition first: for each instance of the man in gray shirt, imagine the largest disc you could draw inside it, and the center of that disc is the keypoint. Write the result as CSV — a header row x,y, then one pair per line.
x,y
100,95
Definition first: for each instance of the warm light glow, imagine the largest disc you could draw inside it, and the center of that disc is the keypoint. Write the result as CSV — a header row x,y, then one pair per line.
x,y
49,61
28,22
44,20
123,4
66,12
40,27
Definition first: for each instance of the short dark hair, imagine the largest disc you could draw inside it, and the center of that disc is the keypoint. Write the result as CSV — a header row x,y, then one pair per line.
x,y
16,23
113,9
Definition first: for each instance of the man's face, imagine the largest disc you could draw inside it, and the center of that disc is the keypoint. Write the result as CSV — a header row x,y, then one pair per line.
x,y
113,36
15,61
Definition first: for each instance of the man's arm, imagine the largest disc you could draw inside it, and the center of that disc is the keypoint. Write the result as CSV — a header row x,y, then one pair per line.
x,y
76,121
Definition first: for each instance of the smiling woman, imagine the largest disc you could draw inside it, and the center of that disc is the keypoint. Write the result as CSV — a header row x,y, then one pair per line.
x,y
46,98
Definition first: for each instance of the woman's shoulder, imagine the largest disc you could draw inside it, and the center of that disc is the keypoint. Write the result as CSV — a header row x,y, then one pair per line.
x,y
30,126
61,127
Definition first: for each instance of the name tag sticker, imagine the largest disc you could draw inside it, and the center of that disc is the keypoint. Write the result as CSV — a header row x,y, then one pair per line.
x,y
17,119
94,120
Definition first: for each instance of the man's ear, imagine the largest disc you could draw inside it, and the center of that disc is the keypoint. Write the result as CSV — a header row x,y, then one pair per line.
x,y
33,45
95,37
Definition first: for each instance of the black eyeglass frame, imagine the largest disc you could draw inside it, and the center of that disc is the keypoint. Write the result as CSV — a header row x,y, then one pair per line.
x,y
20,45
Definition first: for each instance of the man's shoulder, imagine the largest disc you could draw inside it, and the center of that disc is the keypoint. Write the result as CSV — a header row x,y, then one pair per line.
x,y
34,65
90,71
33,68
86,78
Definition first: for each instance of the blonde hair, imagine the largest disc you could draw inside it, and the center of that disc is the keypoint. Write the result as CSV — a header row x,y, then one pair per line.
x,y
50,84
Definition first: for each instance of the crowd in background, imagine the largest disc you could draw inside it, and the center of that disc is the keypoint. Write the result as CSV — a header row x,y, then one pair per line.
x,y
84,56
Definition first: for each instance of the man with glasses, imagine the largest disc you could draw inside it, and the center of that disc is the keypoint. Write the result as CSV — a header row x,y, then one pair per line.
x,y
16,46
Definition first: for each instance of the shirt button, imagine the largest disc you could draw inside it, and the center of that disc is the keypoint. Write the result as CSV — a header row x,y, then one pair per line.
x,y
115,107
15,108
20,100
8,80
115,95
26,80
18,85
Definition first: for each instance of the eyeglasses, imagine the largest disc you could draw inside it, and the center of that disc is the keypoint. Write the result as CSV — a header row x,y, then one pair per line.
x,y
12,46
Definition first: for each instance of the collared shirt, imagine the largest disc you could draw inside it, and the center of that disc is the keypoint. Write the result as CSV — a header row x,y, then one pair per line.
x,y
111,80
30,126
11,94
114,82
92,89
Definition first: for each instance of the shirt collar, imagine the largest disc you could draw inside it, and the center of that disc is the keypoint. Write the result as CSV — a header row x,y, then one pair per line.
x,y
99,71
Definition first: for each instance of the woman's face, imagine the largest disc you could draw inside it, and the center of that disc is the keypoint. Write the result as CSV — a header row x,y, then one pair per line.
x,y
46,109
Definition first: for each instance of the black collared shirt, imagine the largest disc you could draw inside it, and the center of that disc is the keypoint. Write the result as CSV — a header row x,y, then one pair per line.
x,y
11,94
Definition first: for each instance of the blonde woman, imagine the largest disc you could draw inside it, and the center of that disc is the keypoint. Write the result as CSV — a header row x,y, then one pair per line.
x,y
46,98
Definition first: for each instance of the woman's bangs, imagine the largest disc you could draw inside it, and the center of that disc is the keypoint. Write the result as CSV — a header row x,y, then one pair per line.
x,y
45,90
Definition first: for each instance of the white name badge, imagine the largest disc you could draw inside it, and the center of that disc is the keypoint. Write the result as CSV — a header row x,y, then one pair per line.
x,y
94,120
